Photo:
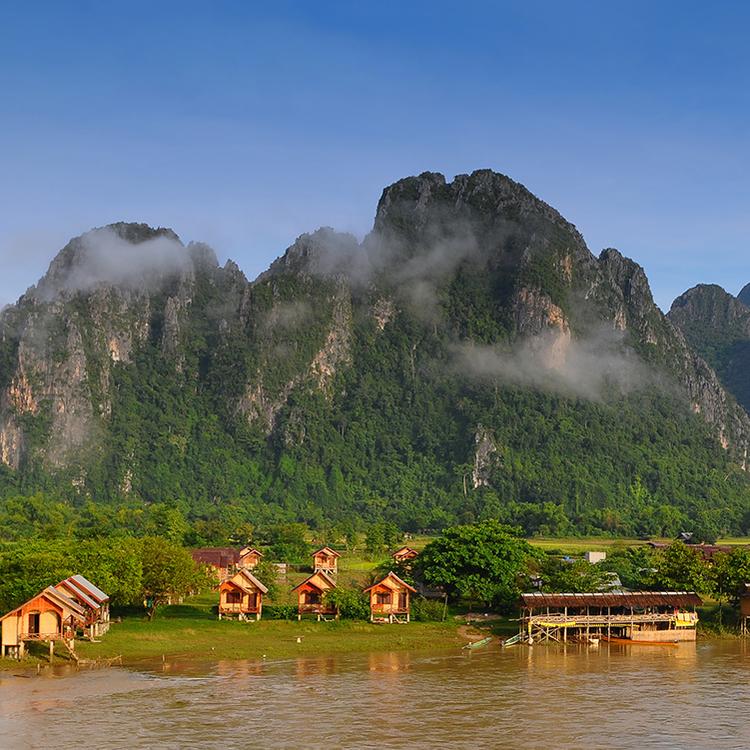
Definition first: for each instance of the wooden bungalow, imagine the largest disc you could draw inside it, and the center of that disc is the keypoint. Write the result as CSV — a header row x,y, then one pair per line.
x,y
93,600
653,616
326,560
249,557
310,595
390,599
241,596
404,554
49,616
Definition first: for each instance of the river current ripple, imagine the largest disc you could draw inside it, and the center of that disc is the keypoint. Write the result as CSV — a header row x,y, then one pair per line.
x,y
612,696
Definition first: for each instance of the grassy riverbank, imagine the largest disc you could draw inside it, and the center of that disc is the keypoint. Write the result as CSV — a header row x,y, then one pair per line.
x,y
192,631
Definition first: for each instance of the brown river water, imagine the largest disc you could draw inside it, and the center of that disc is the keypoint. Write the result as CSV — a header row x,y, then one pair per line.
x,y
610,696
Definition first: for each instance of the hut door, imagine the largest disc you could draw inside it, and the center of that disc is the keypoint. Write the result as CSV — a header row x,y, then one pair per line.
x,y
252,600
33,623
402,600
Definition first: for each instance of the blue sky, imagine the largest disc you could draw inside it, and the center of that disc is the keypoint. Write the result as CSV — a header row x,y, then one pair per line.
x,y
245,124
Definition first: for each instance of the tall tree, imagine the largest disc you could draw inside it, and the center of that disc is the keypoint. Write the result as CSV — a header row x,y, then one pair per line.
x,y
483,562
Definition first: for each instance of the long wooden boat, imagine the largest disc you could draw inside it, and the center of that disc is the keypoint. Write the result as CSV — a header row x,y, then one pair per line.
x,y
630,642
478,644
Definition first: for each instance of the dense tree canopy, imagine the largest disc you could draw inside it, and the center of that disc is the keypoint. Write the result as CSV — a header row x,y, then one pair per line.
x,y
486,562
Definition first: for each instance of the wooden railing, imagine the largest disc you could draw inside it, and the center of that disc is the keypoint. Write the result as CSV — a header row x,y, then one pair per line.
x,y
233,607
558,619
316,609
46,636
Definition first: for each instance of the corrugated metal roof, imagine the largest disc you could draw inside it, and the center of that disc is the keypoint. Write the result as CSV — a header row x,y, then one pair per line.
x,y
70,586
66,601
538,600
97,593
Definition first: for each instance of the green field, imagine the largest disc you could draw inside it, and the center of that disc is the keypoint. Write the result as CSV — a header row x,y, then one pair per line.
x,y
192,630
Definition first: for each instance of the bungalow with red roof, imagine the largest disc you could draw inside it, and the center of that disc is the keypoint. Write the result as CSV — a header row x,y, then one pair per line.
x,y
326,560
311,593
390,599
241,596
49,616
249,557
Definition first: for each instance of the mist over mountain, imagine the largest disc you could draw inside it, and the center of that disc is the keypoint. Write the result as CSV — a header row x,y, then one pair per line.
x,y
470,358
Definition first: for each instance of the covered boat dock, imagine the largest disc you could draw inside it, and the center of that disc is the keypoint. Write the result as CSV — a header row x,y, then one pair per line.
x,y
639,616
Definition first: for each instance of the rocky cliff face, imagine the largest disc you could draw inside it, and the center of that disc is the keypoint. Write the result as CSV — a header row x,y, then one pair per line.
x,y
717,327
135,353
744,295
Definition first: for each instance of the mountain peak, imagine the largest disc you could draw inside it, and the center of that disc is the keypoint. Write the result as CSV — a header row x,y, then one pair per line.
x,y
414,208
744,295
119,254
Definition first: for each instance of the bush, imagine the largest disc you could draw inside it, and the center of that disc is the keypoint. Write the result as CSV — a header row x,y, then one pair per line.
x,y
351,604
280,611
427,610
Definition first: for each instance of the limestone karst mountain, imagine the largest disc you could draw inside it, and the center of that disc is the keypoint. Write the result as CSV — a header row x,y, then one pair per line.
x,y
470,358
717,326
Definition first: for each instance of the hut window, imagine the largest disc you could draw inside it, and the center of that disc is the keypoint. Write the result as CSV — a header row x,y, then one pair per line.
x,y
312,597
382,598
234,597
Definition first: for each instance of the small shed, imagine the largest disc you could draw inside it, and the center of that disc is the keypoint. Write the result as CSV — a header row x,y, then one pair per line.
x,y
390,599
310,595
404,554
241,596
249,557
326,560
49,616
93,600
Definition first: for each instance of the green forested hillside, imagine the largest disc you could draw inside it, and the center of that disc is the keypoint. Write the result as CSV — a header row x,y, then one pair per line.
x,y
471,359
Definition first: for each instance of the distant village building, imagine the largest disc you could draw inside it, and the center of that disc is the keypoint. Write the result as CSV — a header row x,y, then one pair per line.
x,y
390,599
249,557
594,557
241,596
404,554
50,616
326,560
93,600
652,616
310,596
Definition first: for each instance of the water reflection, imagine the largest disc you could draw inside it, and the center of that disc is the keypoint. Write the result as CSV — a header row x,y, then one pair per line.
x,y
569,696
